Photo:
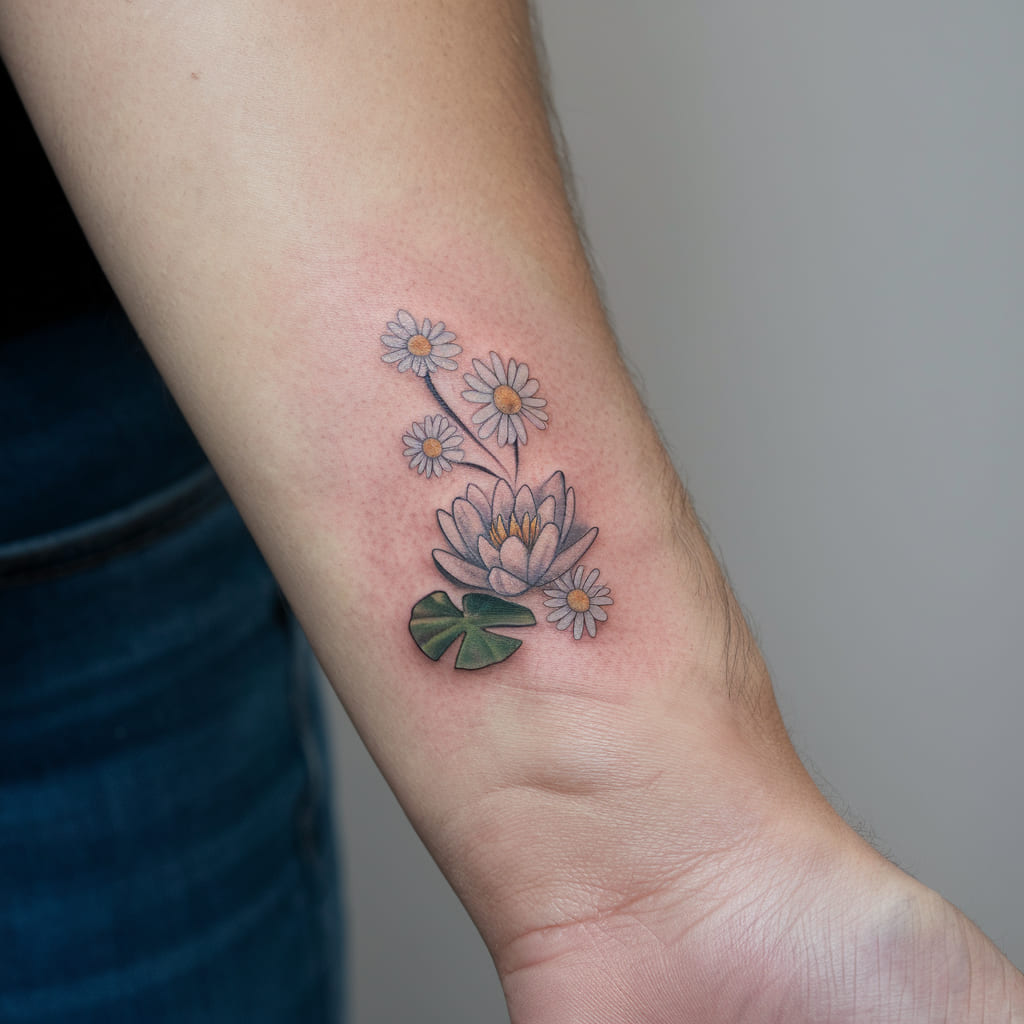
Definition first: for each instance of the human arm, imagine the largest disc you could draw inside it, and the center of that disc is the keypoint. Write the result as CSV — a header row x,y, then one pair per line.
x,y
262,222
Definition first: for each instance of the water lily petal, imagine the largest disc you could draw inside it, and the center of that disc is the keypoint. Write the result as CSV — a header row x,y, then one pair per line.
x,y
571,555
459,571
506,584
488,553
555,487
546,511
452,535
469,523
543,554
480,502
525,505
569,511
502,502
514,556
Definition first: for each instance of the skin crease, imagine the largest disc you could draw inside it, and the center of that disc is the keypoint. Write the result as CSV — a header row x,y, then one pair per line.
x,y
624,819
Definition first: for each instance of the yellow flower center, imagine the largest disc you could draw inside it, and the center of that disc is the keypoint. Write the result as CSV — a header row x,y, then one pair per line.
x,y
578,601
419,346
507,400
527,530
432,447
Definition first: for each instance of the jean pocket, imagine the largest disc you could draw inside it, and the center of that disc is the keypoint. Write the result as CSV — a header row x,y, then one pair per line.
x,y
95,541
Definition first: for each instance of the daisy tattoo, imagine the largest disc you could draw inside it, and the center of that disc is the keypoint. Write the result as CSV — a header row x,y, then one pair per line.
x,y
502,539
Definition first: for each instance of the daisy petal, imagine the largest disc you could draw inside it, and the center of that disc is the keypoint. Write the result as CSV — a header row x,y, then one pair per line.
x,y
499,369
488,428
485,374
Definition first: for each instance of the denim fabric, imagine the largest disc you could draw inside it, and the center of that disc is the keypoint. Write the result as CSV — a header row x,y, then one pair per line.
x,y
165,850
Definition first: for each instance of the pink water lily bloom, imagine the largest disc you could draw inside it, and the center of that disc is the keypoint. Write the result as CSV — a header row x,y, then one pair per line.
x,y
508,543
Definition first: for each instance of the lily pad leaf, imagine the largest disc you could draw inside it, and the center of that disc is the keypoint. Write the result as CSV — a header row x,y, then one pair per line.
x,y
436,624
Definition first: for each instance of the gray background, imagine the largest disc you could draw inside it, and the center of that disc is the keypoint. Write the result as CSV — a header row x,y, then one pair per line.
x,y
808,217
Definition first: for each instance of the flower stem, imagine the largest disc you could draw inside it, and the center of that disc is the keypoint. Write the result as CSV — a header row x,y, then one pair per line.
x,y
515,449
448,409
483,469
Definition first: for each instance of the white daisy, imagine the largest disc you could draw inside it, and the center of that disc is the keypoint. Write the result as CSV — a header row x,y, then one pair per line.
x,y
423,349
507,397
578,602
432,446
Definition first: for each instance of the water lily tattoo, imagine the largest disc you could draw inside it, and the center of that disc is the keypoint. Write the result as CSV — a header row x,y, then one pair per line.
x,y
503,539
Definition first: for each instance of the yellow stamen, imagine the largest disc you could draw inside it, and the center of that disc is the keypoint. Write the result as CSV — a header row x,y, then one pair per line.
x,y
526,530
578,600
432,447
419,346
507,400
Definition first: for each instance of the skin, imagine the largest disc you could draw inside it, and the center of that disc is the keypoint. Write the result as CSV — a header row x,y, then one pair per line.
x,y
624,818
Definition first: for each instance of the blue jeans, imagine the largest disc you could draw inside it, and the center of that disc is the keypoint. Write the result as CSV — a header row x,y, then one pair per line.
x,y
165,847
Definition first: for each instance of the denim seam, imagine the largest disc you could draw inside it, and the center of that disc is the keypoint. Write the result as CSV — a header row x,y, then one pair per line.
x,y
95,541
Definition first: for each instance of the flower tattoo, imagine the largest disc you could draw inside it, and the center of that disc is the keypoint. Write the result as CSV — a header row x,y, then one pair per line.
x,y
423,350
432,446
509,543
508,399
503,539
578,602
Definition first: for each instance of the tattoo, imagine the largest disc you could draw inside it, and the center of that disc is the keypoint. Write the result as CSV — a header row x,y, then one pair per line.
x,y
504,539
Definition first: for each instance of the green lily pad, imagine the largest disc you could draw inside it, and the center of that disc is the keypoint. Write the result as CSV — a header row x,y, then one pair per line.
x,y
436,624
